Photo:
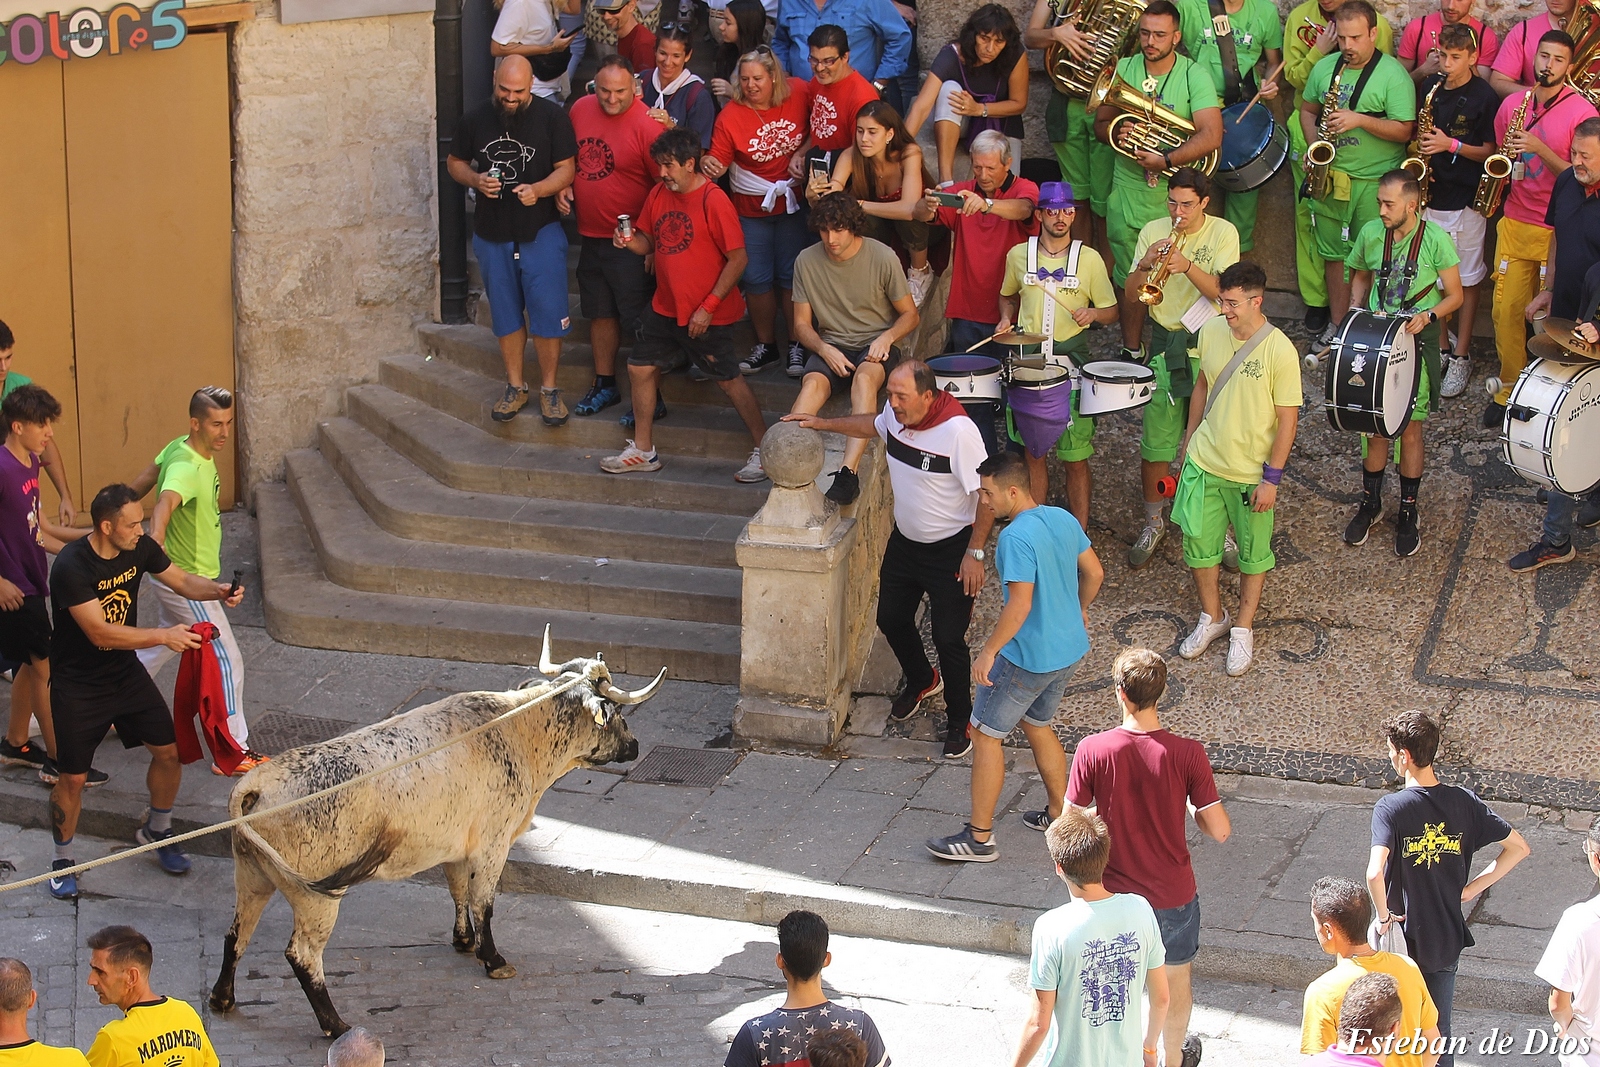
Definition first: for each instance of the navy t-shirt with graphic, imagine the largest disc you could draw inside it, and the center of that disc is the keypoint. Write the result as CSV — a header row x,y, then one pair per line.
x,y
1431,833
526,147
780,1037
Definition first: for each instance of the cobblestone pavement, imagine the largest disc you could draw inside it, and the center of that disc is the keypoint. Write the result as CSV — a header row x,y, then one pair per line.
x,y
595,984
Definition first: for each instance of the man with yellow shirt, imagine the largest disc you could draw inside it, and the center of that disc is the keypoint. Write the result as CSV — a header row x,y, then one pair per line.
x,y
153,1029
1057,286
1195,248
1242,421
17,998
1341,910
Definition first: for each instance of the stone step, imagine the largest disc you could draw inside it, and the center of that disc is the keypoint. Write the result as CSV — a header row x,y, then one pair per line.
x,y
304,608
467,457
404,500
358,554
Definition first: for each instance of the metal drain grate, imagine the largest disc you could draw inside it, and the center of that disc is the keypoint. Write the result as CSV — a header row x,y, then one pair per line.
x,y
280,731
667,765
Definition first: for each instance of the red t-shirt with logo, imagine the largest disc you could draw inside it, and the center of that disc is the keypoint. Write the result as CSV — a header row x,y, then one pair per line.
x,y
834,107
762,142
1140,784
615,171
978,264
639,48
693,234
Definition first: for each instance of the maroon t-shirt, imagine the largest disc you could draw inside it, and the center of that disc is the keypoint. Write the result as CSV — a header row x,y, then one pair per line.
x,y
22,559
1140,784
981,244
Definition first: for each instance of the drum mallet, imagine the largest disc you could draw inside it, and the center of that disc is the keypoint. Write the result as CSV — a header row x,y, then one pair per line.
x,y
1254,99
1492,385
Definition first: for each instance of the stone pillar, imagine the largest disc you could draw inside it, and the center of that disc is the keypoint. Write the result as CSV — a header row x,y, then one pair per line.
x,y
793,684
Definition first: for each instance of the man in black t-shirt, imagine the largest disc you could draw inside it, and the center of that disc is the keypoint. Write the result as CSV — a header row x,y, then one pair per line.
x,y
518,151
1461,138
1420,868
96,680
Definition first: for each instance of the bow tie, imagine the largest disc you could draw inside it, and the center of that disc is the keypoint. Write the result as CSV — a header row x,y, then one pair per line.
x,y
1058,275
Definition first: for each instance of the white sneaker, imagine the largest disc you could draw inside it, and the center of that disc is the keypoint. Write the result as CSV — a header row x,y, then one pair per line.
x,y
630,460
752,471
919,281
1241,650
1455,377
1205,631
1230,552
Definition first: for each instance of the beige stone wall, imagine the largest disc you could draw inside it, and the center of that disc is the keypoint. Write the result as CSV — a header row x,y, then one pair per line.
x,y
336,242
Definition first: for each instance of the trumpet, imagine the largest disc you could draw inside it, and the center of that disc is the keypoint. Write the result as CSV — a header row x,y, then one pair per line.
x,y
1319,153
1150,293
1418,164
1497,168
1150,126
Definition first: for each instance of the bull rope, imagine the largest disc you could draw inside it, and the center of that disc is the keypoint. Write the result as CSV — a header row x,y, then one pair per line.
x,y
308,798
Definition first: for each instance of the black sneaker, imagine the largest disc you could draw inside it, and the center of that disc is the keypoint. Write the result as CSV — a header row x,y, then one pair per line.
x,y
66,886
905,705
1540,554
1316,320
1406,538
1037,820
761,356
597,399
26,754
1191,1051
1494,415
1355,535
49,775
626,421
797,360
845,488
964,848
957,742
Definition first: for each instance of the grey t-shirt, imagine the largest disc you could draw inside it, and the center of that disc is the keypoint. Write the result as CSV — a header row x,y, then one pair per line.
x,y
851,302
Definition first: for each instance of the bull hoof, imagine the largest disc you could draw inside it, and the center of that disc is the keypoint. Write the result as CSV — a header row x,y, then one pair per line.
x,y
336,1029
504,970
462,946
221,1003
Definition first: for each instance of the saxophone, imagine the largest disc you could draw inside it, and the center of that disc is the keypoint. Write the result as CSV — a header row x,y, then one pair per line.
x,y
1112,24
1418,164
1150,293
1497,168
1319,153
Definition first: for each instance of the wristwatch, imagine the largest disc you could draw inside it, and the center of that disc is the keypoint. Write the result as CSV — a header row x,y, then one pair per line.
x,y
988,205
976,553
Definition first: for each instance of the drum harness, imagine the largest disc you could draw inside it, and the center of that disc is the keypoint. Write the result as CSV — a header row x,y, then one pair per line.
x,y
1392,279
1067,278
1232,77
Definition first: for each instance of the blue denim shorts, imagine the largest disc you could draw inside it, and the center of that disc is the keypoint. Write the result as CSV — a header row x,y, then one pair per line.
x,y
1017,695
526,278
772,242
1180,931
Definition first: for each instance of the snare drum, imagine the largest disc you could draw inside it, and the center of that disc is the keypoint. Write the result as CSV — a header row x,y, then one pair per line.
x,y
1114,385
1373,374
1253,148
968,377
1551,432
1041,407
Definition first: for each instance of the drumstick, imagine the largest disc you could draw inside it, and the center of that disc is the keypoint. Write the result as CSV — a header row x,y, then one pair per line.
x,y
1257,97
986,340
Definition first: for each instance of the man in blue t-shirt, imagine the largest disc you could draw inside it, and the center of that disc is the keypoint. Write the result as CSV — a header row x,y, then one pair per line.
x,y
1049,576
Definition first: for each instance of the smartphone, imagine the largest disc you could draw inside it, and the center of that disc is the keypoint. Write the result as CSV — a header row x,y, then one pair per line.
x,y
234,588
949,199
589,88
819,169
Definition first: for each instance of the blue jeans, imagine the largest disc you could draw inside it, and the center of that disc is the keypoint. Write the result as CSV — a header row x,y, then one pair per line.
x,y
1017,696
964,333
772,242
1180,931
1560,511
1442,988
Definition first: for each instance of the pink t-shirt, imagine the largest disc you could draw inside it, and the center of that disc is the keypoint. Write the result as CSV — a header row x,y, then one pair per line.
x,y
1528,198
1522,44
1139,783
1425,32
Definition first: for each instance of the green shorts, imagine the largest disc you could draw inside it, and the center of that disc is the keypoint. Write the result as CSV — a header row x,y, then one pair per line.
x,y
1166,416
1076,443
1337,222
1129,208
1205,506
1086,162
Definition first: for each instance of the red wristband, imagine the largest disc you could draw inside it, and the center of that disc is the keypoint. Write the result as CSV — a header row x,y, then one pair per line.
x,y
711,303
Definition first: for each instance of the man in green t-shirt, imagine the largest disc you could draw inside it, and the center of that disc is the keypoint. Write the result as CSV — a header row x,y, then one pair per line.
x,y
1256,34
1369,129
187,523
1086,161
10,382
1426,291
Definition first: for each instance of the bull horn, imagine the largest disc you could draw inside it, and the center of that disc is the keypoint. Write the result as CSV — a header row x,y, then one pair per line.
x,y
622,696
545,666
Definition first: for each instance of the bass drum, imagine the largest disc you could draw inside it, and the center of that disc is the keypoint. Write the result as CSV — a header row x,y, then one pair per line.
x,y
1372,378
1551,432
1254,146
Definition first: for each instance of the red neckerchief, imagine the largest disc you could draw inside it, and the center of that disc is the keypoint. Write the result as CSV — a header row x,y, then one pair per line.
x,y
944,408
1589,190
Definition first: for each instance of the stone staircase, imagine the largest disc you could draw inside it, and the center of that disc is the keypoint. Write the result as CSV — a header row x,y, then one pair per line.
x,y
419,526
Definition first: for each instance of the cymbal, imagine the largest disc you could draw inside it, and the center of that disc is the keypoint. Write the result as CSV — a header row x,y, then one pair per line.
x,y
1542,346
1015,338
1560,331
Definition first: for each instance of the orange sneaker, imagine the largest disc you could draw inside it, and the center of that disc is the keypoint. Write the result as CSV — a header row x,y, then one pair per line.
x,y
252,759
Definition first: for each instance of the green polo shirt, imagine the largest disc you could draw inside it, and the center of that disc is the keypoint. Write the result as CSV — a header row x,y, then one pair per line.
x,y
14,381
1437,253
1256,28
1389,93
194,533
1183,90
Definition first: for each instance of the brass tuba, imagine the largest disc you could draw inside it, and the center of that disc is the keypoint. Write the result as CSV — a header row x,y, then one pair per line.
x,y
1112,26
1497,168
1154,128
1583,26
1418,164
1150,293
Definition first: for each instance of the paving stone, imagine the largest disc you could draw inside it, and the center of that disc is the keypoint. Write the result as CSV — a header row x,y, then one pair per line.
x,y
901,778
788,774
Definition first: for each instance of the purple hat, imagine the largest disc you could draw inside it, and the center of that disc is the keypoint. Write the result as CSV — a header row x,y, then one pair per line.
x,y
1055,195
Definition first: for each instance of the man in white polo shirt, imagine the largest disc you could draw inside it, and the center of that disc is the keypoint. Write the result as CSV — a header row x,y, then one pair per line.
x,y
936,547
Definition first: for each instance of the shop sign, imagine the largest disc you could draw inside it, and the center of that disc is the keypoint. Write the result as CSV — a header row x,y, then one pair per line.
x,y
87,33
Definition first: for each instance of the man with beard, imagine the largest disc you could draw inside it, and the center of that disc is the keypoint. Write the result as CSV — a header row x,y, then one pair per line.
x,y
1420,50
1523,239
517,151
1514,69
614,131
1400,263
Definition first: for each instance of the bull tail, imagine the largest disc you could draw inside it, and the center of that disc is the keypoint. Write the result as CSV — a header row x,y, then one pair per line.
x,y
243,804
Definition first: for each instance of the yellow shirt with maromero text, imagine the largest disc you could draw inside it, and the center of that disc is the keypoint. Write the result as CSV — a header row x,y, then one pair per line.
x,y
34,1054
167,1032
1094,289
1214,248
1236,436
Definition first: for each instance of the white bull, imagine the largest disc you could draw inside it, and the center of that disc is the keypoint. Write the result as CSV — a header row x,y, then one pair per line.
x,y
461,807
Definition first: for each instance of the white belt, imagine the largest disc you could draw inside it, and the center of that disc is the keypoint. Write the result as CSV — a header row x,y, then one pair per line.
x,y
746,184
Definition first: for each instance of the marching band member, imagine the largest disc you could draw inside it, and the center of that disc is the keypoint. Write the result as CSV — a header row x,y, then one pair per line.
x,y
1178,84
1374,110
1086,161
1515,68
1460,138
1057,286
1572,292
1230,38
1193,248
1400,263
1310,34
1421,47
1522,239
1242,421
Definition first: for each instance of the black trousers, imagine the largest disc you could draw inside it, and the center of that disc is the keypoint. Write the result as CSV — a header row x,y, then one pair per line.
x,y
912,569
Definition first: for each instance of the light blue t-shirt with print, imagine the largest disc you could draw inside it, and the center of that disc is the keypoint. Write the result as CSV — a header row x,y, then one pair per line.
x,y
1095,955
1041,546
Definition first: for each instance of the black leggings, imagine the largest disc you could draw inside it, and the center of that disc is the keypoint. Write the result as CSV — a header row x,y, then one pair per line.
x,y
910,570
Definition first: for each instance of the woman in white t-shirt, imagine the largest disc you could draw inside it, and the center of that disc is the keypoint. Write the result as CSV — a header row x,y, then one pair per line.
x,y
529,28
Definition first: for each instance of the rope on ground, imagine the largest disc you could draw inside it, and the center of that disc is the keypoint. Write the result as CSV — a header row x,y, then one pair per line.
x,y
179,839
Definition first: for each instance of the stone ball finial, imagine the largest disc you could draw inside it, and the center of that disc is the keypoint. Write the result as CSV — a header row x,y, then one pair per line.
x,y
792,455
